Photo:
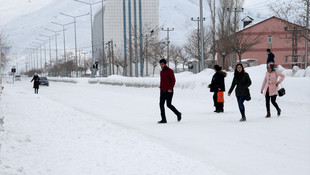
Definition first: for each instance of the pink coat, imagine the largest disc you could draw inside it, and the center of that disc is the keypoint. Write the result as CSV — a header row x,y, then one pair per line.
x,y
270,81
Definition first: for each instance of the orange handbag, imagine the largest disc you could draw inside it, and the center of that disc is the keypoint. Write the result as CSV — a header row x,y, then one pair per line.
x,y
220,96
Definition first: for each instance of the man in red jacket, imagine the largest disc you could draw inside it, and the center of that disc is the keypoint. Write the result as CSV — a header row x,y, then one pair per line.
x,y
167,81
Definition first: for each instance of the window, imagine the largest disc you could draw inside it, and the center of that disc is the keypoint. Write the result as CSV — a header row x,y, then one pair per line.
x,y
269,40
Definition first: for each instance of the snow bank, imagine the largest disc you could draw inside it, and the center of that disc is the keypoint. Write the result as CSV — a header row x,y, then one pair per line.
x,y
184,80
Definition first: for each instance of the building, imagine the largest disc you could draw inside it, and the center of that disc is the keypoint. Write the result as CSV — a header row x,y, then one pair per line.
x,y
285,39
113,12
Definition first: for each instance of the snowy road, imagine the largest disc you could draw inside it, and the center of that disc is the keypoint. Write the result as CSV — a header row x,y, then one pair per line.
x,y
98,129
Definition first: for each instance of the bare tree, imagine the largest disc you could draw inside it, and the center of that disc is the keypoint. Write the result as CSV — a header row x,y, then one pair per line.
x,y
213,49
4,48
224,29
293,12
176,56
158,52
191,46
243,42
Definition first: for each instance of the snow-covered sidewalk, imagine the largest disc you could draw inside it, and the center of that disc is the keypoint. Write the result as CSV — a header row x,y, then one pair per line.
x,y
44,137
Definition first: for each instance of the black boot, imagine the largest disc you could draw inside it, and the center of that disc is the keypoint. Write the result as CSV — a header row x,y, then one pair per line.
x,y
243,119
279,112
162,121
268,114
179,116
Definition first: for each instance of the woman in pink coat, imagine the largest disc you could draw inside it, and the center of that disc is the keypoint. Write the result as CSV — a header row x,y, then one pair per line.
x,y
270,88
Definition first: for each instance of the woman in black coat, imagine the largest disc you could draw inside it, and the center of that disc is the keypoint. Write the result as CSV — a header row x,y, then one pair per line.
x,y
217,84
242,81
36,83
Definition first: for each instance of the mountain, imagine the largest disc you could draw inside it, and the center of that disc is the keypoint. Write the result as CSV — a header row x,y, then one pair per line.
x,y
25,20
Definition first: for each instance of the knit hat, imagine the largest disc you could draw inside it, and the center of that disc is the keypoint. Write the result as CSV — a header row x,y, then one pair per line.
x,y
217,68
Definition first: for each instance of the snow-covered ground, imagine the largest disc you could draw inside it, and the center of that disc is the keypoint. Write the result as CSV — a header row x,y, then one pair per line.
x,y
81,128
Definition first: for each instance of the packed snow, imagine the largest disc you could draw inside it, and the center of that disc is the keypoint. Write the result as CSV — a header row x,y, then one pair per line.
x,y
83,128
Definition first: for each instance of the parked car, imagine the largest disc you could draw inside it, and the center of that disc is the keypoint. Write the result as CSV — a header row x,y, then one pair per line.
x,y
44,81
18,78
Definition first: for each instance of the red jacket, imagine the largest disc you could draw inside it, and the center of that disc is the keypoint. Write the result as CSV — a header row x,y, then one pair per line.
x,y
167,79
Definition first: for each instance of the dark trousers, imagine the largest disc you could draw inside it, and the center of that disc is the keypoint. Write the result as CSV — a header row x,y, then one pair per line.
x,y
273,101
218,106
166,96
36,90
240,100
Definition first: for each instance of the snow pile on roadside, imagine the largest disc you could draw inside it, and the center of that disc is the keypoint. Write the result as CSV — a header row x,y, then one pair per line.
x,y
184,80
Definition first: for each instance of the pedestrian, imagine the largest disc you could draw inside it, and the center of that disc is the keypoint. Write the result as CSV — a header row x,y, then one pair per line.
x,y
36,83
270,58
167,81
270,88
242,81
218,84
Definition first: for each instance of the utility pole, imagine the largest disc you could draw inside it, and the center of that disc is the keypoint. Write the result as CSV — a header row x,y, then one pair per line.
x,y
307,34
136,38
198,40
202,35
125,39
141,39
130,38
102,30
168,30
74,21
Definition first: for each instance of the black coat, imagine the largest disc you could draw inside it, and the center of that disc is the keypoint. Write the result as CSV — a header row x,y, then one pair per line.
x,y
36,82
218,81
242,81
270,58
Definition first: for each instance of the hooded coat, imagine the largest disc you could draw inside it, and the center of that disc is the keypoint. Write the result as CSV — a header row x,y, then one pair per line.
x,y
270,81
218,81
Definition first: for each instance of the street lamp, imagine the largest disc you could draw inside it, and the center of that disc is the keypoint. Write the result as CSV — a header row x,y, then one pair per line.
x,y
44,41
74,21
49,43
91,25
55,31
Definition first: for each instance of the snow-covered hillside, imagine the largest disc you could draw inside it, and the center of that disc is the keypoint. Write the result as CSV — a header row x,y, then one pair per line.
x,y
25,20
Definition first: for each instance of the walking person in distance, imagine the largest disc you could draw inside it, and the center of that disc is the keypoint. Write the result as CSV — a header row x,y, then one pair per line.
x,y
217,85
167,82
270,58
242,81
36,83
270,88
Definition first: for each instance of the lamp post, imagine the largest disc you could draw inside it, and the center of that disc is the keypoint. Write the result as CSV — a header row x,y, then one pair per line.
x,y
64,37
74,21
39,44
91,25
44,41
50,49
55,31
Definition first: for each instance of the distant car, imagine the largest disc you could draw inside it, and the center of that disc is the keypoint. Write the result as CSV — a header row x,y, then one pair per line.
x,y
18,78
43,81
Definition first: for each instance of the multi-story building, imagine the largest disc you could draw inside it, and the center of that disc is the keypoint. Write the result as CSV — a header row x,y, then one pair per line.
x,y
285,39
114,13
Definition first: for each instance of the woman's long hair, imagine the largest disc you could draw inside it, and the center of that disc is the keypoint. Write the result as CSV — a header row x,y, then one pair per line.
x,y
236,71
